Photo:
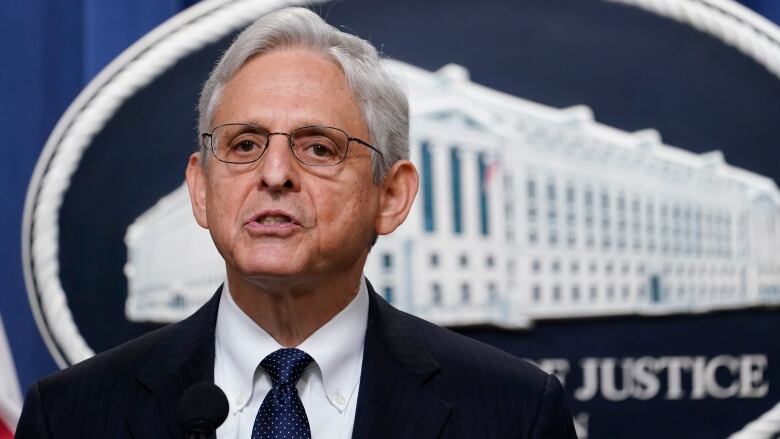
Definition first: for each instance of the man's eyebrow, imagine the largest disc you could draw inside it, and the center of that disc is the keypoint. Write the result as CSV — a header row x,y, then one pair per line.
x,y
292,126
252,122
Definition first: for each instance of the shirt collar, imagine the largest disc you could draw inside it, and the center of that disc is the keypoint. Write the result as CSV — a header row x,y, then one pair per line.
x,y
336,347
240,345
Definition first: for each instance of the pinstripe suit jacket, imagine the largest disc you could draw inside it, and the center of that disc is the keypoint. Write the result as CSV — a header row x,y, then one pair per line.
x,y
418,381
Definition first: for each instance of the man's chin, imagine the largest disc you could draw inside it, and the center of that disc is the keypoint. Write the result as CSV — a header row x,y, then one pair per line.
x,y
277,271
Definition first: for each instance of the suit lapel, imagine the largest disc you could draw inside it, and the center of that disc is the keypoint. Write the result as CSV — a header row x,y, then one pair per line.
x,y
183,359
393,401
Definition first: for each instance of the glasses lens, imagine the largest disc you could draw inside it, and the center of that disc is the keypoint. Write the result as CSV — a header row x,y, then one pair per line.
x,y
320,146
237,143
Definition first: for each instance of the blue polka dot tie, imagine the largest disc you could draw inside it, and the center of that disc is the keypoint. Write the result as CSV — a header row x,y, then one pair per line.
x,y
281,416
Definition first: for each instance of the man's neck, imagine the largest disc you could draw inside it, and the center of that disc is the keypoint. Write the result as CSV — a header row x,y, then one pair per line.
x,y
291,311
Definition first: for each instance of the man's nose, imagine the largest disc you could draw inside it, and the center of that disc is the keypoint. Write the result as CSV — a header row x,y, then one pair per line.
x,y
278,168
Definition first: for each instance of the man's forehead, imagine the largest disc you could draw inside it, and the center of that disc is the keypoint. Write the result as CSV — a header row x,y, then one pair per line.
x,y
291,66
292,86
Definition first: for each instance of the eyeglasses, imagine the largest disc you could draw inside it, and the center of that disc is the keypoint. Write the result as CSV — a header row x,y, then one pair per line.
x,y
312,145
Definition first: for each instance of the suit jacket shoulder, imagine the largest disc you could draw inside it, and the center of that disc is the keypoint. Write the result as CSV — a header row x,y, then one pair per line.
x,y
534,398
418,381
109,394
463,388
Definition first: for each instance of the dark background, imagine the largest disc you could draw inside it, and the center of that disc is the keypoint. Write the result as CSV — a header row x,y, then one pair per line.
x,y
634,69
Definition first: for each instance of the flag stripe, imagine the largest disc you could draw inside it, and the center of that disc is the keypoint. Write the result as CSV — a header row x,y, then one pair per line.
x,y
10,395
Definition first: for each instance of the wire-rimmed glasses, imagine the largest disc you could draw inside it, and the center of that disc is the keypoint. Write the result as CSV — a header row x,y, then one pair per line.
x,y
241,143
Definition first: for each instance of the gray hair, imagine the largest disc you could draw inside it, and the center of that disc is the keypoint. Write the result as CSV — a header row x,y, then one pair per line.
x,y
383,103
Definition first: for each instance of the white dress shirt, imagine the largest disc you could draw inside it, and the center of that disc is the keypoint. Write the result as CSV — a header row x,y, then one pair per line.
x,y
329,386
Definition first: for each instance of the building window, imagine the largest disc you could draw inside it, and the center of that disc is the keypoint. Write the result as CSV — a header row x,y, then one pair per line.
x,y
436,293
650,215
551,191
489,261
556,266
570,193
483,195
621,221
588,197
655,288
387,262
575,267
575,293
178,301
492,293
556,293
697,234
536,266
536,293
464,260
427,188
531,188
434,260
388,294
457,193
465,293
552,213
605,203
664,228
594,292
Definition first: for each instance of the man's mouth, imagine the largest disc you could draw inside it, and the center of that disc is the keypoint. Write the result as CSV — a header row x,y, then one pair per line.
x,y
273,220
273,223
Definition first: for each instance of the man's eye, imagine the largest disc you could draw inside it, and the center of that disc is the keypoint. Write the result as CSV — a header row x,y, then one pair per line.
x,y
318,148
321,150
245,146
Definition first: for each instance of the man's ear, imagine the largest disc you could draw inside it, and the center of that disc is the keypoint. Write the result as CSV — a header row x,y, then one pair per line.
x,y
398,191
196,184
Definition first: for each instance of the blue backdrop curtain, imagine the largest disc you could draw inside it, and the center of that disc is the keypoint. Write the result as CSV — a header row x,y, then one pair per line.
x,y
768,8
51,50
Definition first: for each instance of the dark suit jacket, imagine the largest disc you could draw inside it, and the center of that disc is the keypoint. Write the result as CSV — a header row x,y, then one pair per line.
x,y
418,381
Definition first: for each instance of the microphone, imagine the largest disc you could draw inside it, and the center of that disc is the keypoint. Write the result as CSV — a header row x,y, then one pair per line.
x,y
202,408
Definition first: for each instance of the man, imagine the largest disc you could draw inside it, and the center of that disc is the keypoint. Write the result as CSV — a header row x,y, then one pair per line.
x,y
303,163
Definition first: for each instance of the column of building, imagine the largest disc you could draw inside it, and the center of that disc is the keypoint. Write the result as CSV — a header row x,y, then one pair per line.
x,y
469,183
440,154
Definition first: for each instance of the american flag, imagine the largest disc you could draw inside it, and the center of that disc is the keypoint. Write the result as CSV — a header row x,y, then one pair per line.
x,y
10,396
492,167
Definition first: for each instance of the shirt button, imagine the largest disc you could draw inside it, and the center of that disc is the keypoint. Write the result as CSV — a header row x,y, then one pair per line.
x,y
340,399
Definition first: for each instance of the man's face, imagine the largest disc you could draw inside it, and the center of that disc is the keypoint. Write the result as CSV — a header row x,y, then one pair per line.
x,y
278,219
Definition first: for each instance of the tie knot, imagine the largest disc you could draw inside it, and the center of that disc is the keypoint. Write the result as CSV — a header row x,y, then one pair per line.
x,y
285,366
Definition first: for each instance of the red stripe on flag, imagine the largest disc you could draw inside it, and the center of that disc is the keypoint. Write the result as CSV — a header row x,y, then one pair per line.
x,y
5,432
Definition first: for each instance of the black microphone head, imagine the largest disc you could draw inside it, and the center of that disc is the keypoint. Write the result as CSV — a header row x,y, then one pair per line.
x,y
202,408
